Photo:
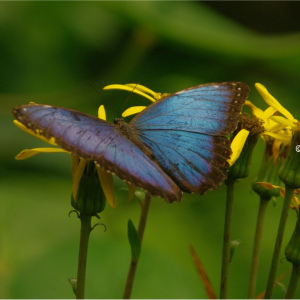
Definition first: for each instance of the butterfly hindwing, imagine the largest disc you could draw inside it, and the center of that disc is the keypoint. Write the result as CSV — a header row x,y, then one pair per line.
x,y
98,140
196,162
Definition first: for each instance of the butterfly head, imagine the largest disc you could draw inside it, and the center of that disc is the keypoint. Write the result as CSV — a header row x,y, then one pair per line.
x,y
118,120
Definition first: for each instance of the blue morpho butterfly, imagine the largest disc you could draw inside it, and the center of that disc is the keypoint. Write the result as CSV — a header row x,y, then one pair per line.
x,y
176,144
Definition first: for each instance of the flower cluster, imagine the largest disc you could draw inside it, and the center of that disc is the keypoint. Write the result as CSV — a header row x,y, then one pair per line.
x,y
276,126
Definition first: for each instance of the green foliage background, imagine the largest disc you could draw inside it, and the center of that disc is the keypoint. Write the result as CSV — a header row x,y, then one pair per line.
x,y
59,53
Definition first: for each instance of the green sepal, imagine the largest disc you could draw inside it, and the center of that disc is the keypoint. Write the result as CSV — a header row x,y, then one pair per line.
x,y
134,240
292,250
289,173
140,195
90,198
241,168
268,172
264,192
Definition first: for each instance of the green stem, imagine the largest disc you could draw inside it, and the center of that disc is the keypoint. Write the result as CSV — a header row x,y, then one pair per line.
x,y
83,249
275,259
293,282
256,247
134,263
227,239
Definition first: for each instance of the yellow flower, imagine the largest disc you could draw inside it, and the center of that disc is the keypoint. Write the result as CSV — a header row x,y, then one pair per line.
x,y
275,127
272,102
78,164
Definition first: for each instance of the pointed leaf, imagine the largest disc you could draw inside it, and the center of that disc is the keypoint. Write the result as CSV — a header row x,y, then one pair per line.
x,y
134,240
233,245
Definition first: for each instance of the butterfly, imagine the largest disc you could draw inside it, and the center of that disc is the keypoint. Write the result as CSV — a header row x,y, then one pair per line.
x,y
175,145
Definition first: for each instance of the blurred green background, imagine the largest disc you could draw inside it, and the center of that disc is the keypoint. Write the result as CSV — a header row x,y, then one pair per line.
x,y
63,53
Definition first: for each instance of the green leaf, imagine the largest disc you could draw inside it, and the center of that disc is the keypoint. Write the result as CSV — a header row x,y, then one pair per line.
x,y
134,241
73,282
282,287
181,23
233,245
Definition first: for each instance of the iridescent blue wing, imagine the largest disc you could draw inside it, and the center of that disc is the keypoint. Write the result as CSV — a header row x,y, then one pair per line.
x,y
98,140
185,132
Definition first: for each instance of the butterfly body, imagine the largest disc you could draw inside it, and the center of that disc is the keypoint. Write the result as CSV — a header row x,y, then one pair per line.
x,y
176,144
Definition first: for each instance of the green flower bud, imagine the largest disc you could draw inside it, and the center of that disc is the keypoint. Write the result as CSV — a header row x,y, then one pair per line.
x,y
90,198
268,173
289,173
292,250
241,168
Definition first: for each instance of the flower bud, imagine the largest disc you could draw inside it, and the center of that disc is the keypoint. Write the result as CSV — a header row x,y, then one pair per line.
x,y
292,250
89,198
241,168
289,173
268,173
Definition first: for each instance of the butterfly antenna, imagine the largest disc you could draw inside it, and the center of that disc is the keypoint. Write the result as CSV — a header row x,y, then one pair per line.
x,y
93,87
129,96
126,101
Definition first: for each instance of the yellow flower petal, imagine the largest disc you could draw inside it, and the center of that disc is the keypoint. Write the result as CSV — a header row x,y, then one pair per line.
x,y
269,185
131,191
142,88
257,112
133,110
274,127
270,111
26,153
282,120
74,163
276,148
271,125
271,101
107,184
278,136
237,145
77,176
296,203
129,89
36,134
102,113
156,96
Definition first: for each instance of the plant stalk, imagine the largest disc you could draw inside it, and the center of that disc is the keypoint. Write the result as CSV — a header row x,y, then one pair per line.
x,y
293,282
134,263
227,239
276,254
256,247
82,257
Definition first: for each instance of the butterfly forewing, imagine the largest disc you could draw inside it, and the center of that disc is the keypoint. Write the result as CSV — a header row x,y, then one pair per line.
x,y
211,109
98,140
